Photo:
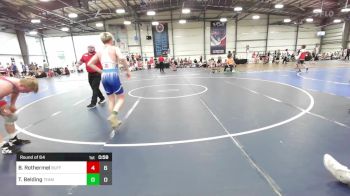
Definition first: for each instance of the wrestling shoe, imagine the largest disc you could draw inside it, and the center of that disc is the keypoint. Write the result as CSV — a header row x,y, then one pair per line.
x,y
9,148
339,171
114,121
18,142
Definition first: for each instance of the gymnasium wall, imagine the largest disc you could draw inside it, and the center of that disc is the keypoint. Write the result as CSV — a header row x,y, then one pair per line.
x,y
60,51
281,36
189,38
332,41
35,49
251,33
308,36
81,43
11,50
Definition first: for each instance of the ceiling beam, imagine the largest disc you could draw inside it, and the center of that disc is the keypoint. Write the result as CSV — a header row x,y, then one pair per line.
x,y
106,6
24,25
54,5
130,10
115,6
77,8
63,17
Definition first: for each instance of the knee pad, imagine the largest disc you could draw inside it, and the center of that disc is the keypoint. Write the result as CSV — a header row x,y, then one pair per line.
x,y
10,120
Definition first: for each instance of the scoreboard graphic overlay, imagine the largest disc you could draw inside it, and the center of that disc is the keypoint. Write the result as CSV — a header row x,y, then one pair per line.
x,y
85,169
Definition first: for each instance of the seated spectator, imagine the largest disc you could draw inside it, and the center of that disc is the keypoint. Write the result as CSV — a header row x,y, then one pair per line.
x,y
190,62
176,64
181,63
62,70
57,72
219,62
66,71
2,70
139,65
50,73
41,74
32,69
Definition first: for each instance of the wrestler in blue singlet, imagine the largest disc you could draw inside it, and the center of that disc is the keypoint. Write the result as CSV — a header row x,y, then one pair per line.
x,y
110,74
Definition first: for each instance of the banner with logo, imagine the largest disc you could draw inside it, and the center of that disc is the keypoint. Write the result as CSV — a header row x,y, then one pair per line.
x,y
217,37
160,39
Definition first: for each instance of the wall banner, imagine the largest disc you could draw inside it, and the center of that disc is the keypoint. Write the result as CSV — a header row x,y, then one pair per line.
x,y
217,37
160,39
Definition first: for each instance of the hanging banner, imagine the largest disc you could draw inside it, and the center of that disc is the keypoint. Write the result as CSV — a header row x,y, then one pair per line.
x,y
120,34
217,37
160,39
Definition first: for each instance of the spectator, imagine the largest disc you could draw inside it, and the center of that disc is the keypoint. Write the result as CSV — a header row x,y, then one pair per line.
x,y
14,70
24,70
195,63
57,71
50,73
161,64
229,55
285,57
2,70
41,74
46,66
66,71
347,54
230,62
151,62
219,61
